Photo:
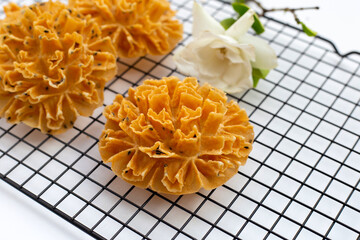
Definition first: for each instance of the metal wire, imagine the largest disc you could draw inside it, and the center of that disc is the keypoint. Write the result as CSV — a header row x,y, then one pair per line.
x,y
301,180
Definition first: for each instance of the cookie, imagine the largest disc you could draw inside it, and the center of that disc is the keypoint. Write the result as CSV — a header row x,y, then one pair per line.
x,y
54,64
175,136
137,27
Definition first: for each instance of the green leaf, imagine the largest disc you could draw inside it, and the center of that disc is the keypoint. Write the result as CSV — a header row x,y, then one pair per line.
x,y
239,1
226,23
308,31
257,25
258,74
241,9
255,81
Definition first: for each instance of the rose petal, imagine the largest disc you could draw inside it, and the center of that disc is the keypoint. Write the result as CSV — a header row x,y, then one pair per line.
x,y
188,59
247,52
238,77
265,56
204,22
219,60
183,63
223,41
242,25
214,66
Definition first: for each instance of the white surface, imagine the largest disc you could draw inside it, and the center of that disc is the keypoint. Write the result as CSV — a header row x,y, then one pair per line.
x,y
22,218
336,21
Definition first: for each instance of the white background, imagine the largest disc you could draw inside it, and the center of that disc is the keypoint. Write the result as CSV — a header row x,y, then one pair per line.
x,y
336,20
22,218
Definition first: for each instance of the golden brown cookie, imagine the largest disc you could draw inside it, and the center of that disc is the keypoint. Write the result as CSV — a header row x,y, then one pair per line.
x,y
175,136
137,27
53,65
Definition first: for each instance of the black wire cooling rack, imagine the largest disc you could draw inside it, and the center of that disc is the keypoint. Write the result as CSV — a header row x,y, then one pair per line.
x,y
301,180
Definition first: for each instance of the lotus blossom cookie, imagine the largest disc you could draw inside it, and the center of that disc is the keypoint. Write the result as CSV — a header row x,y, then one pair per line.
x,y
224,58
175,136
53,66
137,27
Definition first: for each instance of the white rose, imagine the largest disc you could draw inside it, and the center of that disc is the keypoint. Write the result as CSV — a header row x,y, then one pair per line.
x,y
224,58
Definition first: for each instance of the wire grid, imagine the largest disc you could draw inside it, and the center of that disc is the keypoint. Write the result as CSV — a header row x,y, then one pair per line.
x,y
301,180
